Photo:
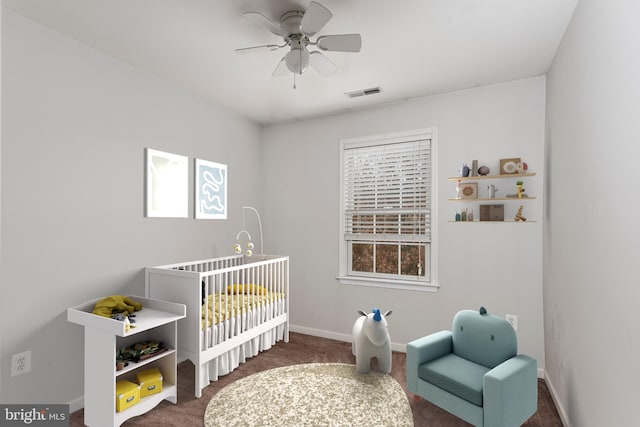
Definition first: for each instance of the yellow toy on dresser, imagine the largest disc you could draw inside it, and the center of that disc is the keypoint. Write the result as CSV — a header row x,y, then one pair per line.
x,y
150,382
127,395
116,304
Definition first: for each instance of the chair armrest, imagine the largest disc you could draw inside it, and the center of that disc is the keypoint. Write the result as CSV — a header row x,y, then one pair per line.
x,y
424,350
430,347
510,392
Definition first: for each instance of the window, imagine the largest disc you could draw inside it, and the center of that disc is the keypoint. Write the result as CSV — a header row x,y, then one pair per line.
x,y
388,210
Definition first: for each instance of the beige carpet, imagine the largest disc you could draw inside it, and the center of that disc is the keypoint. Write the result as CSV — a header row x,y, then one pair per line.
x,y
315,394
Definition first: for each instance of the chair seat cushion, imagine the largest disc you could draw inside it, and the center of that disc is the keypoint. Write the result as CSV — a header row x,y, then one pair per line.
x,y
456,375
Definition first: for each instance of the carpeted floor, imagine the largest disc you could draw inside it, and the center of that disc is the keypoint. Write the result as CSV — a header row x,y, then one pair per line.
x,y
304,349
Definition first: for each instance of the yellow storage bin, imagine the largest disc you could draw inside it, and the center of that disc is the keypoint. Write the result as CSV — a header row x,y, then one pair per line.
x,y
127,394
150,382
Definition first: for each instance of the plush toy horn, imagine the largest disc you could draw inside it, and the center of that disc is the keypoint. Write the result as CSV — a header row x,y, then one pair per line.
x,y
376,314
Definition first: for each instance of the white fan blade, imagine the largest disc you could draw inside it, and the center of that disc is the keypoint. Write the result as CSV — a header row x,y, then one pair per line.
x,y
262,20
323,65
340,42
314,18
244,50
281,69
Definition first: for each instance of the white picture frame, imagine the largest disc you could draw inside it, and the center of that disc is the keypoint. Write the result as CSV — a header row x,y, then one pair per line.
x,y
167,185
210,190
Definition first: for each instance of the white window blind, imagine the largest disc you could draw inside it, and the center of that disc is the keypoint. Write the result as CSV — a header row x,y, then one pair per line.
x,y
387,192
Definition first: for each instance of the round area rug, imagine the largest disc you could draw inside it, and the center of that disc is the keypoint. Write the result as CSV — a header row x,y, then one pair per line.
x,y
315,394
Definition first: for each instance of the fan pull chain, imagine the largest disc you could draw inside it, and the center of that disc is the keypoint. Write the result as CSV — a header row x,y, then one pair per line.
x,y
300,65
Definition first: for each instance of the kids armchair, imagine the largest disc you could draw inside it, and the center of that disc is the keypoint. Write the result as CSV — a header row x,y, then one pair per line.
x,y
474,371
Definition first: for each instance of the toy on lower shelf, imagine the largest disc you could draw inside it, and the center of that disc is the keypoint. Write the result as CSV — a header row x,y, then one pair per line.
x,y
140,351
519,216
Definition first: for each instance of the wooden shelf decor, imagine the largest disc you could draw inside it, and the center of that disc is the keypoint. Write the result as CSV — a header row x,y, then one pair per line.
x,y
473,178
481,202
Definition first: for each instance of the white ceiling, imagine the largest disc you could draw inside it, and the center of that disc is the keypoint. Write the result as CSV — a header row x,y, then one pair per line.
x,y
410,48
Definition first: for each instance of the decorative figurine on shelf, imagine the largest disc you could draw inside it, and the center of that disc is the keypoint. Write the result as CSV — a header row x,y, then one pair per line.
x,y
464,170
520,189
458,189
483,170
522,167
492,191
519,216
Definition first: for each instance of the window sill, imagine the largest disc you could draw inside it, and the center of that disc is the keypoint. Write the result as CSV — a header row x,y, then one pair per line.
x,y
405,285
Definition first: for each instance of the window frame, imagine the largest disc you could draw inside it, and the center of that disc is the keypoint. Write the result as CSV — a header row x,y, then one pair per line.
x,y
379,280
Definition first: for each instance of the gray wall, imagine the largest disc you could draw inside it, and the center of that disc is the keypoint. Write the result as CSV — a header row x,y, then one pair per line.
x,y
592,232
494,265
75,125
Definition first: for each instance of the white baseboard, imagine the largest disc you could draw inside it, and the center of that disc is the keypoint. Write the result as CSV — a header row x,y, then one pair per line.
x,y
561,411
402,348
76,404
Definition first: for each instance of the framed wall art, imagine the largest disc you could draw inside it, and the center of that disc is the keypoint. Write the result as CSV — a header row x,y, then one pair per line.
x,y
210,190
491,212
469,190
167,185
509,166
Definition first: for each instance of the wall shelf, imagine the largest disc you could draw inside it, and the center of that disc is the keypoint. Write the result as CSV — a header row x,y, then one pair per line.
x,y
493,222
479,202
508,176
485,199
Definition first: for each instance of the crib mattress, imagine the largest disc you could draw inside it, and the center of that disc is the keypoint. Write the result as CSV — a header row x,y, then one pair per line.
x,y
221,307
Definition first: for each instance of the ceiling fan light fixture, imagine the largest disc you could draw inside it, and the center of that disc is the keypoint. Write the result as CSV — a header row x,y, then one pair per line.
x,y
296,27
297,61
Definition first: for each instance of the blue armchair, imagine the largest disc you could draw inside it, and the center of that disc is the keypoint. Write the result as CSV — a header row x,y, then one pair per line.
x,y
474,371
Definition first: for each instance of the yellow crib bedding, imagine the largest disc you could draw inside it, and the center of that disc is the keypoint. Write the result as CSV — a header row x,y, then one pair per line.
x,y
238,299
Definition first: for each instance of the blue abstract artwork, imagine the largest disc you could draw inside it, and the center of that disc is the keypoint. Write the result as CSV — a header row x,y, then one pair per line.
x,y
211,190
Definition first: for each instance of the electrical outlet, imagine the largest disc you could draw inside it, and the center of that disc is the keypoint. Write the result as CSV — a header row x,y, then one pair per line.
x,y
513,320
21,363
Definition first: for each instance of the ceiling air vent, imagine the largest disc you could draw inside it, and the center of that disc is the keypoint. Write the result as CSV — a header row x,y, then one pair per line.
x,y
363,92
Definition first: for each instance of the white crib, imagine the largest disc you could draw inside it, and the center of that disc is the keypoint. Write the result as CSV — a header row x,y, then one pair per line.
x,y
237,306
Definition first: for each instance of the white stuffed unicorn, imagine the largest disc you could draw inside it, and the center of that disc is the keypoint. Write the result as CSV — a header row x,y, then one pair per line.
x,y
371,339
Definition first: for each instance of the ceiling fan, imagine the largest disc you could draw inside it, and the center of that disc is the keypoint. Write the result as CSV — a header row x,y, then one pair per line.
x,y
297,27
